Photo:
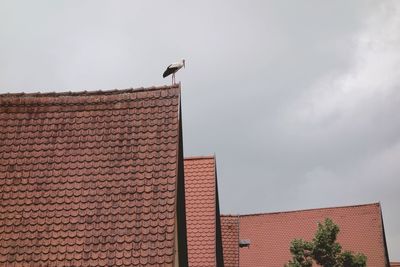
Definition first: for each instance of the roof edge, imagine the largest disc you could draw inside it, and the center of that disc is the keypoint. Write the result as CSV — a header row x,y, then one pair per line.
x,y
199,157
301,210
91,93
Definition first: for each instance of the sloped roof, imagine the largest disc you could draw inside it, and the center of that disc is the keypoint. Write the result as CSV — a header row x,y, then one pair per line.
x,y
201,210
230,240
89,178
361,230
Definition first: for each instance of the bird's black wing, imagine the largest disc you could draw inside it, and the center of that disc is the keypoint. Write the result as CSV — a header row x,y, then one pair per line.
x,y
169,71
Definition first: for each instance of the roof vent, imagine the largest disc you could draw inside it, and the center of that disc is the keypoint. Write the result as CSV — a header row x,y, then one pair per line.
x,y
244,243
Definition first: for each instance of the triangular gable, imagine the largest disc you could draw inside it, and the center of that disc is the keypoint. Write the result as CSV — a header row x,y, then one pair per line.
x,y
92,178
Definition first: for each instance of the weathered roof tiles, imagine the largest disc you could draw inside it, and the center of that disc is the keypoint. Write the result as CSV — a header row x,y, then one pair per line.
x,y
90,178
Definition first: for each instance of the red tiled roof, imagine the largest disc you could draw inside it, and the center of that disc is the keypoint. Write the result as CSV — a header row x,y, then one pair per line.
x,y
230,240
89,178
395,264
201,210
361,230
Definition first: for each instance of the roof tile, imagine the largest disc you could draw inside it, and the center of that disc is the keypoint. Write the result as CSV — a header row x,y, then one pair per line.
x,y
200,194
230,240
89,179
361,230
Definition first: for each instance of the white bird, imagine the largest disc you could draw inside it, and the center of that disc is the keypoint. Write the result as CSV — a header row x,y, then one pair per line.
x,y
173,68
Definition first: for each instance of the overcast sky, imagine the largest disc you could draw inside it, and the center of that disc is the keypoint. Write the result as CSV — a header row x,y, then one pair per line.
x,y
299,100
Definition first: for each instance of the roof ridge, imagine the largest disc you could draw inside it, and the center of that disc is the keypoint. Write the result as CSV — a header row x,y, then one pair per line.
x,y
312,209
200,157
91,93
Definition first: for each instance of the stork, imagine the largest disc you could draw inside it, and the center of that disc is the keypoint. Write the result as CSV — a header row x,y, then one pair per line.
x,y
173,68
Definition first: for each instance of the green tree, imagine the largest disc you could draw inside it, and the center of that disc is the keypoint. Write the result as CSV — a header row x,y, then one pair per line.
x,y
324,250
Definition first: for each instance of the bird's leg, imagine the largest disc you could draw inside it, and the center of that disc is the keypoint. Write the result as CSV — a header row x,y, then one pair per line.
x,y
173,78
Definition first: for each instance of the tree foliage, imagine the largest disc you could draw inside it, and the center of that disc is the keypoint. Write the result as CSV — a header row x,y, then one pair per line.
x,y
324,250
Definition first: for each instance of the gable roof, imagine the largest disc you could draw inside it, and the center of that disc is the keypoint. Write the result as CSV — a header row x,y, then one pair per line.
x,y
204,248
361,230
91,178
230,239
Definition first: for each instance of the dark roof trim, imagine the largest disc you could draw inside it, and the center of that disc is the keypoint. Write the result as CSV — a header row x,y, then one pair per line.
x,y
181,205
387,261
218,231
